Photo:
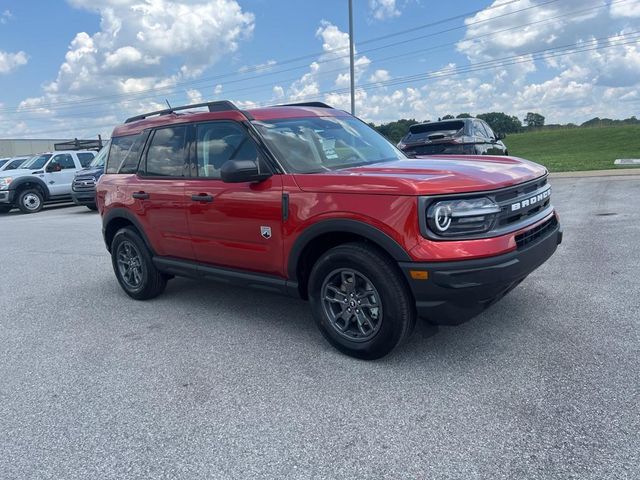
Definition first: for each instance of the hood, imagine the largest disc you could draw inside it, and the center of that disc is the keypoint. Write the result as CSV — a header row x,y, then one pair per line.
x,y
429,175
19,172
93,171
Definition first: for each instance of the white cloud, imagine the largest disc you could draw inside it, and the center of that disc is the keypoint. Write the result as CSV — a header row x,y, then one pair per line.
x,y
11,61
383,9
194,95
380,75
627,9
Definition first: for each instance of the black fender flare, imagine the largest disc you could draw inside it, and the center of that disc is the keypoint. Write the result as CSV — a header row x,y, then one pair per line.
x,y
123,213
20,181
356,227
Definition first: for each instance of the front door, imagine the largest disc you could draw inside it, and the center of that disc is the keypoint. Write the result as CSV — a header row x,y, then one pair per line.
x,y
59,174
235,225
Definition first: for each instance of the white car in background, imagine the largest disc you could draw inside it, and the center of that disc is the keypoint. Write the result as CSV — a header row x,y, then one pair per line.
x,y
44,178
12,163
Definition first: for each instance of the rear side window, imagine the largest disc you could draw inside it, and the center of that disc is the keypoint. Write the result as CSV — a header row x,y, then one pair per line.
x,y
85,159
219,142
15,164
166,156
479,131
124,153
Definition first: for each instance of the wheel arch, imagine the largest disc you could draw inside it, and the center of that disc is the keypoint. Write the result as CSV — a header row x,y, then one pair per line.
x,y
117,219
22,183
324,235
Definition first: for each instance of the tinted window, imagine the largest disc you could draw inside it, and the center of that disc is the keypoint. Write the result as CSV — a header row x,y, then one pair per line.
x,y
219,142
15,164
2,162
166,155
436,127
489,131
85,159
478,130
64,160
125,153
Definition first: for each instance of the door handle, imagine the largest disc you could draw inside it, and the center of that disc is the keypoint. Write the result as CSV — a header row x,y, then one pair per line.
x,y
140,195
202,197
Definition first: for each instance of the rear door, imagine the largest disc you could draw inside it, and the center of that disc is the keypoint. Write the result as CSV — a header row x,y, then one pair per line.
x,y
236,225
157,192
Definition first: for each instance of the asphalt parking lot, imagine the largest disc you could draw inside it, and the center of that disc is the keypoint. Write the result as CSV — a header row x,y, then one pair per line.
x,y
210,381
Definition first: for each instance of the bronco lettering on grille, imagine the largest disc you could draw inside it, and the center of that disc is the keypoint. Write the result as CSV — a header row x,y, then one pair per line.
x,y
530,201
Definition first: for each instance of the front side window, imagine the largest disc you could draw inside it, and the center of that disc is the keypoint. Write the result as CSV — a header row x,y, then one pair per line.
x,y
64,160
316,144
85,159
124,153
166,156
490,132
218,142
479,130
99,160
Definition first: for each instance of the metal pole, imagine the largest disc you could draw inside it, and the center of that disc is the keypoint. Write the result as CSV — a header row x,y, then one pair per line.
x,y
351,61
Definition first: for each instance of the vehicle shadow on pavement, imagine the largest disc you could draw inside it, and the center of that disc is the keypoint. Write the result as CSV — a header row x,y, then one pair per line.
x,y
225,306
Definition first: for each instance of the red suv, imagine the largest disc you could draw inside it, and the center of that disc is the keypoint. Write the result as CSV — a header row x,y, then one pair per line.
x,y
309,201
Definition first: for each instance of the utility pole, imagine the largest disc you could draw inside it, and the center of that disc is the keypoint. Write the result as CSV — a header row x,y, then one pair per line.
x,y
351,60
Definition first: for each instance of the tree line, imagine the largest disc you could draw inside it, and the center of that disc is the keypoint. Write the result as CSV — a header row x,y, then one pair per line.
x,y
500,122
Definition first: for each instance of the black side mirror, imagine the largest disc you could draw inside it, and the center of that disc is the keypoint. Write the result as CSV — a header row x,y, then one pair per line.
x,y
239,171
501,136
54,167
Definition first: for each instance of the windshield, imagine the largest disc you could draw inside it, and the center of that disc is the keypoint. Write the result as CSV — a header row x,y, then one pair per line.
x,y
316,144
36,162
102,155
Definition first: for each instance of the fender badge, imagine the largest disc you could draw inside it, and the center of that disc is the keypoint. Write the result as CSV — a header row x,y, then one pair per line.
x,y
265,232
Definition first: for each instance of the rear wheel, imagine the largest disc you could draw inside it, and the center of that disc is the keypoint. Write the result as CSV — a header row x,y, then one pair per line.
x,y
133,266
30,201
360,301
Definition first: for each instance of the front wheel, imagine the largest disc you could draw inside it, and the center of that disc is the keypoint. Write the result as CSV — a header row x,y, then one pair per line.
x,y
133,266
360,301
30,201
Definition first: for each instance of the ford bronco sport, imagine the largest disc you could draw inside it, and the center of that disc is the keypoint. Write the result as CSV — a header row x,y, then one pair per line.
x,y
310,201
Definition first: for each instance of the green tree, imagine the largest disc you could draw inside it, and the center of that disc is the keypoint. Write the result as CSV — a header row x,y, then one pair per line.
x,y
534,120
501,122
448,117
464,115
394,131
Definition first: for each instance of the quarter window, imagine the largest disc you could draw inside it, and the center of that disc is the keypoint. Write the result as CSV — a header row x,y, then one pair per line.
x,y
219,142
124,153
167,153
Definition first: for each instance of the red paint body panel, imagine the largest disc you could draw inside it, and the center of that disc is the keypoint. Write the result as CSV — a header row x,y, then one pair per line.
x,y
226,232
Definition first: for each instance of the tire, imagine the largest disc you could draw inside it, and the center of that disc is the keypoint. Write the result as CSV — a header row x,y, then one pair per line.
x,y
133,266
5,208
30,201
92,207
357,271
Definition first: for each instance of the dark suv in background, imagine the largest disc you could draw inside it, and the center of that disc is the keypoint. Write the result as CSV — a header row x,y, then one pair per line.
x,y
462,136
83,189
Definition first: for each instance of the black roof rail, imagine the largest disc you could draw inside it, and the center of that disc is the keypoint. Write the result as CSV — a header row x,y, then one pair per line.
x,y
219,106
306,104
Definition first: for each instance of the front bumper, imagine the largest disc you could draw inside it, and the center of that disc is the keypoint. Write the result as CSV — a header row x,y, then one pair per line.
x,y
84,198
454,292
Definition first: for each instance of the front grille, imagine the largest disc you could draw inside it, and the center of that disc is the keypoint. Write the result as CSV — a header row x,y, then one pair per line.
x,y
535,233
84,184
522,201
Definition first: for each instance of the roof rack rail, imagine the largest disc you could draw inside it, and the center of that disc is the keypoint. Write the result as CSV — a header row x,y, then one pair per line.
x,y
306,104
76,144
219,106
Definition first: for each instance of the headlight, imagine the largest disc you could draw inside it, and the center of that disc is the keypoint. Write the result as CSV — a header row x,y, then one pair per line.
x,y
450,218
4,182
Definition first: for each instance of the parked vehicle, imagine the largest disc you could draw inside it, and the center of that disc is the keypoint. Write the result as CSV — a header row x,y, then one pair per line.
x,y
83,188
45,178
462,136
12,163
312,202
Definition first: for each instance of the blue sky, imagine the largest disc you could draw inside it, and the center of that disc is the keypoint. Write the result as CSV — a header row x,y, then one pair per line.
x,y
77,67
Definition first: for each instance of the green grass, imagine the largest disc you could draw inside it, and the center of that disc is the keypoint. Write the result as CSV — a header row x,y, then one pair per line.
x,y
578,148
